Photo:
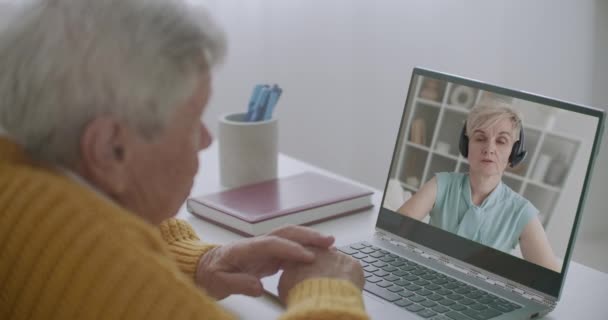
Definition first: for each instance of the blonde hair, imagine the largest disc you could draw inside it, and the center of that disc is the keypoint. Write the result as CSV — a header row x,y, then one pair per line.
x,y
488,114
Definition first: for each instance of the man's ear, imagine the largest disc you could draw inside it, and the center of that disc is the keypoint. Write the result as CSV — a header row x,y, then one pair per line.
x,y
103,154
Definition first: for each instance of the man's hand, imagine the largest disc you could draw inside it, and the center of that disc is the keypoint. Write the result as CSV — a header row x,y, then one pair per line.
x,y
329,263
237,268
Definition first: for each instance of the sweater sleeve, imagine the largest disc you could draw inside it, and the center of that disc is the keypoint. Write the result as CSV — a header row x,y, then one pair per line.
x,y
312,299
184,245
66,254
324,298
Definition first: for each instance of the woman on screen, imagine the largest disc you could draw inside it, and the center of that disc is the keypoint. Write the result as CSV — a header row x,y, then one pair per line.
x,y
477,205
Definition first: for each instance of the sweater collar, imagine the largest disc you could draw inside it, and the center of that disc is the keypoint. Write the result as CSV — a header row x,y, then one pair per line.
x,y
13,152
81,181
8,138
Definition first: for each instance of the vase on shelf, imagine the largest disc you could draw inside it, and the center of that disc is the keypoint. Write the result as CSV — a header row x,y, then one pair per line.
x,y
541,168
557,171
462,96
418,131
431,89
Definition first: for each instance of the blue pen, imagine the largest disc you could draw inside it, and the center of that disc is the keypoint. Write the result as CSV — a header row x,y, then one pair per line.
x,y
258,109
275,94
257,90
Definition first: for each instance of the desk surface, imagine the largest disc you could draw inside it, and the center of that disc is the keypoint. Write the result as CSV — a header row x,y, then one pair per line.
x,y
584,294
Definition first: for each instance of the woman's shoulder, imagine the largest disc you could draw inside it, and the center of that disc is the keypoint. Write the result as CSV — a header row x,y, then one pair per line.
x,y
450,175
517,199
446,178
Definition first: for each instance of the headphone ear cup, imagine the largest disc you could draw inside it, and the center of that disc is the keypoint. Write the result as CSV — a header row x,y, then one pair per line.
x,y
517,154
518,159
514,153
463,144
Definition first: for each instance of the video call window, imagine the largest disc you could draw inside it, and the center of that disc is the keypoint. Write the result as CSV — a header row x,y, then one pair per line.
x,y
430,177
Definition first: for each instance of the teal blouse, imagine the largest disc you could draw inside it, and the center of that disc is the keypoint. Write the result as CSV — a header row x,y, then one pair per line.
x,y
497,222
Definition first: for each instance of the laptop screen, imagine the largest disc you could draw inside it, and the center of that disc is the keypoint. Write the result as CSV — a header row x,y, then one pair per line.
x,y
491,176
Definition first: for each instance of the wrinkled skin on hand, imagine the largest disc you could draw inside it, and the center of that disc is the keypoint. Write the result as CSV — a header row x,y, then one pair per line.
x,y
237,268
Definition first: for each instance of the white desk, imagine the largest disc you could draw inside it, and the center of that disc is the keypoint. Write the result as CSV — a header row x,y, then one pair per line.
x,y
584,296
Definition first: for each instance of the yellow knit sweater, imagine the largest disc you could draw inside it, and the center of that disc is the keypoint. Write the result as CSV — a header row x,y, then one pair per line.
x,y
66,253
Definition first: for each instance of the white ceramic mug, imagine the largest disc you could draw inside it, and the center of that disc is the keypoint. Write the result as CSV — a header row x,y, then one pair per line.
x,y
248,151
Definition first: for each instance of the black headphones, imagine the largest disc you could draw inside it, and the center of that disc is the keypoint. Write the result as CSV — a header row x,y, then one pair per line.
x,y
518,153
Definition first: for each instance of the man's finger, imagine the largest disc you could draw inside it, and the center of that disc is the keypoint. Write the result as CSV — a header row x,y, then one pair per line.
x,y
304,236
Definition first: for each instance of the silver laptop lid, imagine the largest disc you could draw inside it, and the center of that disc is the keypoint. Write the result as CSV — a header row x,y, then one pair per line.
x,y
538,181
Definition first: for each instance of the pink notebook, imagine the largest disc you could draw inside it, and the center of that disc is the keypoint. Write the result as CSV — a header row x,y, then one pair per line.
x,y
258,208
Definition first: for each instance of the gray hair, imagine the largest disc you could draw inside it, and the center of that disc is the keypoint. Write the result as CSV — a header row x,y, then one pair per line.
x,y
488,114
65,62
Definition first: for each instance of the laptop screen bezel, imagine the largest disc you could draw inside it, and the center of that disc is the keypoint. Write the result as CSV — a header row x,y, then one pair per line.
x,y
471,252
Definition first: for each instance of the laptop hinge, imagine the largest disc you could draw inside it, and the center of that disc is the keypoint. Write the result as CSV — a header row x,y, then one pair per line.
x,y
521,291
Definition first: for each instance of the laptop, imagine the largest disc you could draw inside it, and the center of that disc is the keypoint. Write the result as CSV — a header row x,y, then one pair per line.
x,y
419,268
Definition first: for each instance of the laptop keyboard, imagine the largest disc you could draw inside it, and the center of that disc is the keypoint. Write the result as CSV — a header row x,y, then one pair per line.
x,y
423,291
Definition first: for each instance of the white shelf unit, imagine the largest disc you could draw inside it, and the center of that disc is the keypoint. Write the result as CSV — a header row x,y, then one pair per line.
x,y
417,163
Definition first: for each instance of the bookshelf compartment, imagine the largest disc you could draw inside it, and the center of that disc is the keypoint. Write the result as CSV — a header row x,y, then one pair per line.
x,y
423,124
462,97
440,164
514,184
413,167
449,134
543,199
557,154
431,90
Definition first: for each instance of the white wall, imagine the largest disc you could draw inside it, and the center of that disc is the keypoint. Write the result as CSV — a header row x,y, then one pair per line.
x,y
598,205
593,240
5,11
345,66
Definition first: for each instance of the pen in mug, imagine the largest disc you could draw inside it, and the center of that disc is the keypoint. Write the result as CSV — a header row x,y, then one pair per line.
x,y
275,94
257,90
260,105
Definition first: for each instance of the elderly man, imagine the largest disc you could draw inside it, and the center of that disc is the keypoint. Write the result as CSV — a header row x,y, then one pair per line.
x,y
101,101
